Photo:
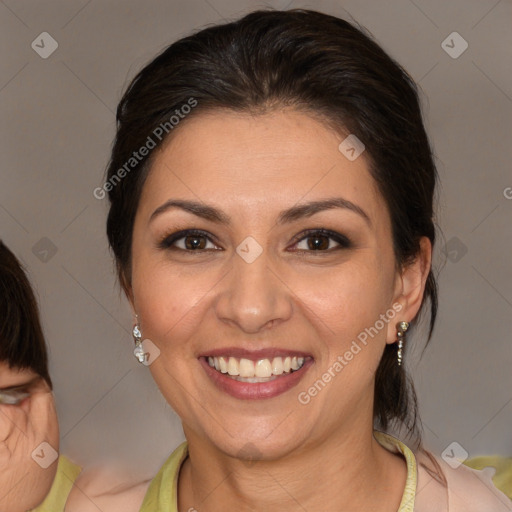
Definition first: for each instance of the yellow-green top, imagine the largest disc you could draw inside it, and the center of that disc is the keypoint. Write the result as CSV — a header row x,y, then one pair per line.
x,y
502,479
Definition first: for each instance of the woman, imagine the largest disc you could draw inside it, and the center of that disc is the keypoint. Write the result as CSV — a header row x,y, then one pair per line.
x,y
31,471
271,214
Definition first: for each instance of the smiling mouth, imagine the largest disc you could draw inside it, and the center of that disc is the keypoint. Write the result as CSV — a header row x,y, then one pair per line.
x,y
261,370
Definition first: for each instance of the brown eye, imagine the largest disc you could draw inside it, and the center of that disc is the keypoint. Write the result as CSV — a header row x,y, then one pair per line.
x,y
322,241
316,243
189,241
193,242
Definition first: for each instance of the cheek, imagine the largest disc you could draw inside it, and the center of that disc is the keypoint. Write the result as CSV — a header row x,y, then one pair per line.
x,y
351,309
349,299
168,300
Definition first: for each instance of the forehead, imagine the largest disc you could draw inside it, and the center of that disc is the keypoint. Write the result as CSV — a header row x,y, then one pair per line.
x,y
241,161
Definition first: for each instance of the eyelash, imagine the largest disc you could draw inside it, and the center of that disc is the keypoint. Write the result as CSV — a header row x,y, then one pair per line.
x,y
344,243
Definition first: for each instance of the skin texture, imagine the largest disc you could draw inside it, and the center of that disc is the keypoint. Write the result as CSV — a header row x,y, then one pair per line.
x,y
23,483
290,297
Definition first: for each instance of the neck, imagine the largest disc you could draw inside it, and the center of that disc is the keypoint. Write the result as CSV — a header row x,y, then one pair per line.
x,y
366,477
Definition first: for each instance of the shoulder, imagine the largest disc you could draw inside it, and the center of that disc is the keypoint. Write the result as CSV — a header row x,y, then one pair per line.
x,y
455,487
106,488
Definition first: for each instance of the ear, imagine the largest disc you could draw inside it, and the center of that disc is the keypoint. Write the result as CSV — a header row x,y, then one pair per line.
x,y
410,288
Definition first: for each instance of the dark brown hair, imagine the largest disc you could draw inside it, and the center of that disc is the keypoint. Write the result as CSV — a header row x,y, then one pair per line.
x,y
304,60
22,344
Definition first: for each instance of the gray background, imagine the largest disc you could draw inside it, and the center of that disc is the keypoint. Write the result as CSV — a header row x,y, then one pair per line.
x,y
56,130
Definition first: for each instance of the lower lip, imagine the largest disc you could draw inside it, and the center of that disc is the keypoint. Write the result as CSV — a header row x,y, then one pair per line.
x,y
255,390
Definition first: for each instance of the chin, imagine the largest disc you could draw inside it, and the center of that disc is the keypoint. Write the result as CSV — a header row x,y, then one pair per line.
x,y
266,444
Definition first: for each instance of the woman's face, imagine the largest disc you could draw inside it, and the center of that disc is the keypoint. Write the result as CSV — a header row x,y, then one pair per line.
x,y
256,281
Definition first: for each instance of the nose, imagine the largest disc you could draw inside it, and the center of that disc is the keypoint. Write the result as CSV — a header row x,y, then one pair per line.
x,y
254,297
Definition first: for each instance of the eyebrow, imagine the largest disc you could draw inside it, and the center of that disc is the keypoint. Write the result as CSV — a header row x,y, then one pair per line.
x,y
23,385
292,214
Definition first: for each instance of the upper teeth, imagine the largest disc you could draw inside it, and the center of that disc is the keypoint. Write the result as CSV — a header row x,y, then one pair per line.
x,y
260,368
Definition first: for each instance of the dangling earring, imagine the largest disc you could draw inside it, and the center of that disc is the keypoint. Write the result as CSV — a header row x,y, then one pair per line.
x,y
401,329
137,338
